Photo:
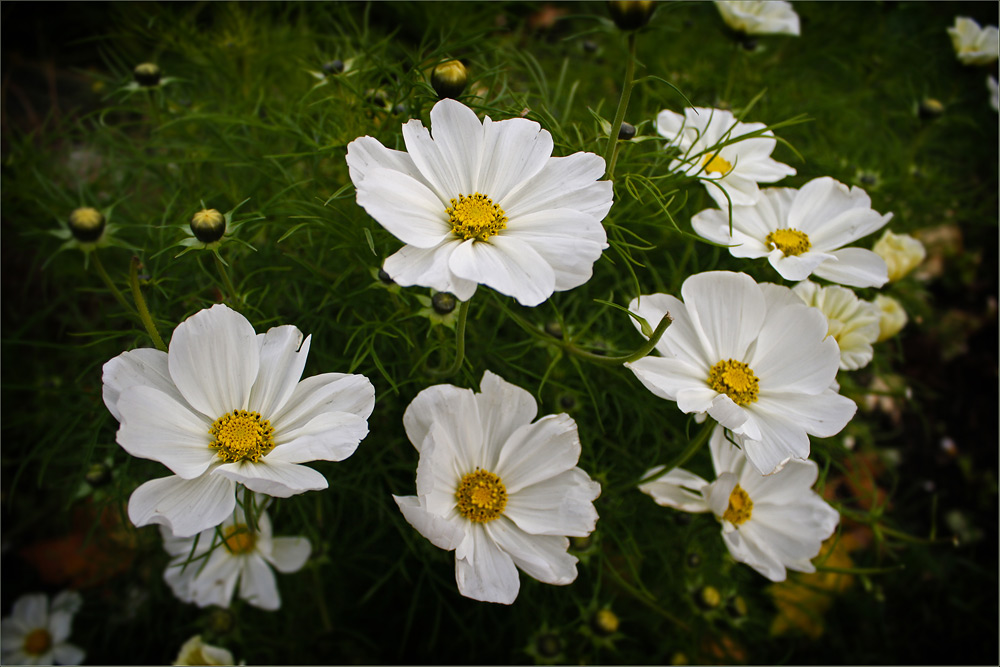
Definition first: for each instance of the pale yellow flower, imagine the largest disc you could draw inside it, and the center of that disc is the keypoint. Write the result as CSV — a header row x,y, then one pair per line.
x,y
902,253
893,317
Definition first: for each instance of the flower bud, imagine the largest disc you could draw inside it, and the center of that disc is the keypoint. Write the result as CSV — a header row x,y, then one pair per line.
x,y
554,329
626,132
708,598
147,74
333,67
98,475
630,14
548,645
902,253
892,319
604,622
930,108
86,224
443,302
208,225
737,607
448,79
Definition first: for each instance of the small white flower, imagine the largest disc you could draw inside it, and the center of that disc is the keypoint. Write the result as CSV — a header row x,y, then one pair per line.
x,y
484,202
770,522
802,232
854,323
207,574
197,652
759,17
35,633
735,168
501,491
226,406
974,45
902,253
892,317
753,357
991,85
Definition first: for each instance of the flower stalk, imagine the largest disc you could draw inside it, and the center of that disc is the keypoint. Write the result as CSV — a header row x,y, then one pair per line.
x,y
140,305
456,365
102,272
611,154
227,282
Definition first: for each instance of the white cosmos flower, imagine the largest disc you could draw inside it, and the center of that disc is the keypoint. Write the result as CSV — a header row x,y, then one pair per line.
x,y
501,491
736,168
759,17
974,45
484,202
854,323
35,633
207,574
226,406
196,652
752,359
770,522
802,232
902,253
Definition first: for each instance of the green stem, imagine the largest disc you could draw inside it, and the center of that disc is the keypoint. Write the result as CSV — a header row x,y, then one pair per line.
x,y
110,285
611,154
140,305
227,282
456,365
859,570
643,598
693,446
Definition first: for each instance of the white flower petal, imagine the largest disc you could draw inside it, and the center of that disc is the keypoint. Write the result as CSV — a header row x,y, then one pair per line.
x,y
274,477
283,356
459,138
331,436
487,573
186,507
321,394
564,182
257,584
155,426
443,534
726,456
855,267
821,201
213,359
508,265
569,241
141,367
745,550
726,310
289,554
407,208
455,412
561,505
678,489
60,625
68,654
513,152
793,352
538,452
543,557
365,154
444,177
216,583
669,378
503,408
32,611
429,267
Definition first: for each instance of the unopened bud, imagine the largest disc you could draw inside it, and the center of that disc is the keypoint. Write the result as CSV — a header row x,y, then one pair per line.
x,y
737,607
147,74
444,303
626,132
208,225
98,475
605,622
708,598
630,14
334,67
448,79
930,108
86,224
548,645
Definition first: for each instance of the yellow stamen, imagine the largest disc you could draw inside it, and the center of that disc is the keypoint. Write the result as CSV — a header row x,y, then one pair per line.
x,y
239,540
716,164
37,642
740,507
736,380
476,216
242,435
481,496
789,241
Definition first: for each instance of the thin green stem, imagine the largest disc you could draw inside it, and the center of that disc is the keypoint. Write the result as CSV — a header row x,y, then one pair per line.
x,y
456,365
643,598
696,443
110,285
140,305
227,282
611,154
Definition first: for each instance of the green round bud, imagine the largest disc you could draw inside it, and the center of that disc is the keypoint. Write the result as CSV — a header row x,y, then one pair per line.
x,y
98,475
448,79
708,598
221,621
554,329
930,108
86,224
630,14
567,402
604,622
548,645
147,74
737,607
444,303
626,132
334,67
208,225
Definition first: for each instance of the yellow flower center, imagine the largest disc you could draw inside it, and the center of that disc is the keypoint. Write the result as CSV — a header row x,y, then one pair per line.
x,y
37,642
736,380
242,435
239,540
789,241
481,496
476,216
740,507
716,164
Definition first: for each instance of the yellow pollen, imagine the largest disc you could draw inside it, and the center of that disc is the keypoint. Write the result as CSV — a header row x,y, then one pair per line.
x,y
239,540
736,380
789,241
716,164
481,496
242,435
476,217
37,642
740,507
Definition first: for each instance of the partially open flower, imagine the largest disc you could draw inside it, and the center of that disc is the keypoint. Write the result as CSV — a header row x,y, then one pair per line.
x,y
902,253
893,317
974,45
759,17
197,652
631,14
86,224
208,225
449,78
147,74
854,323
